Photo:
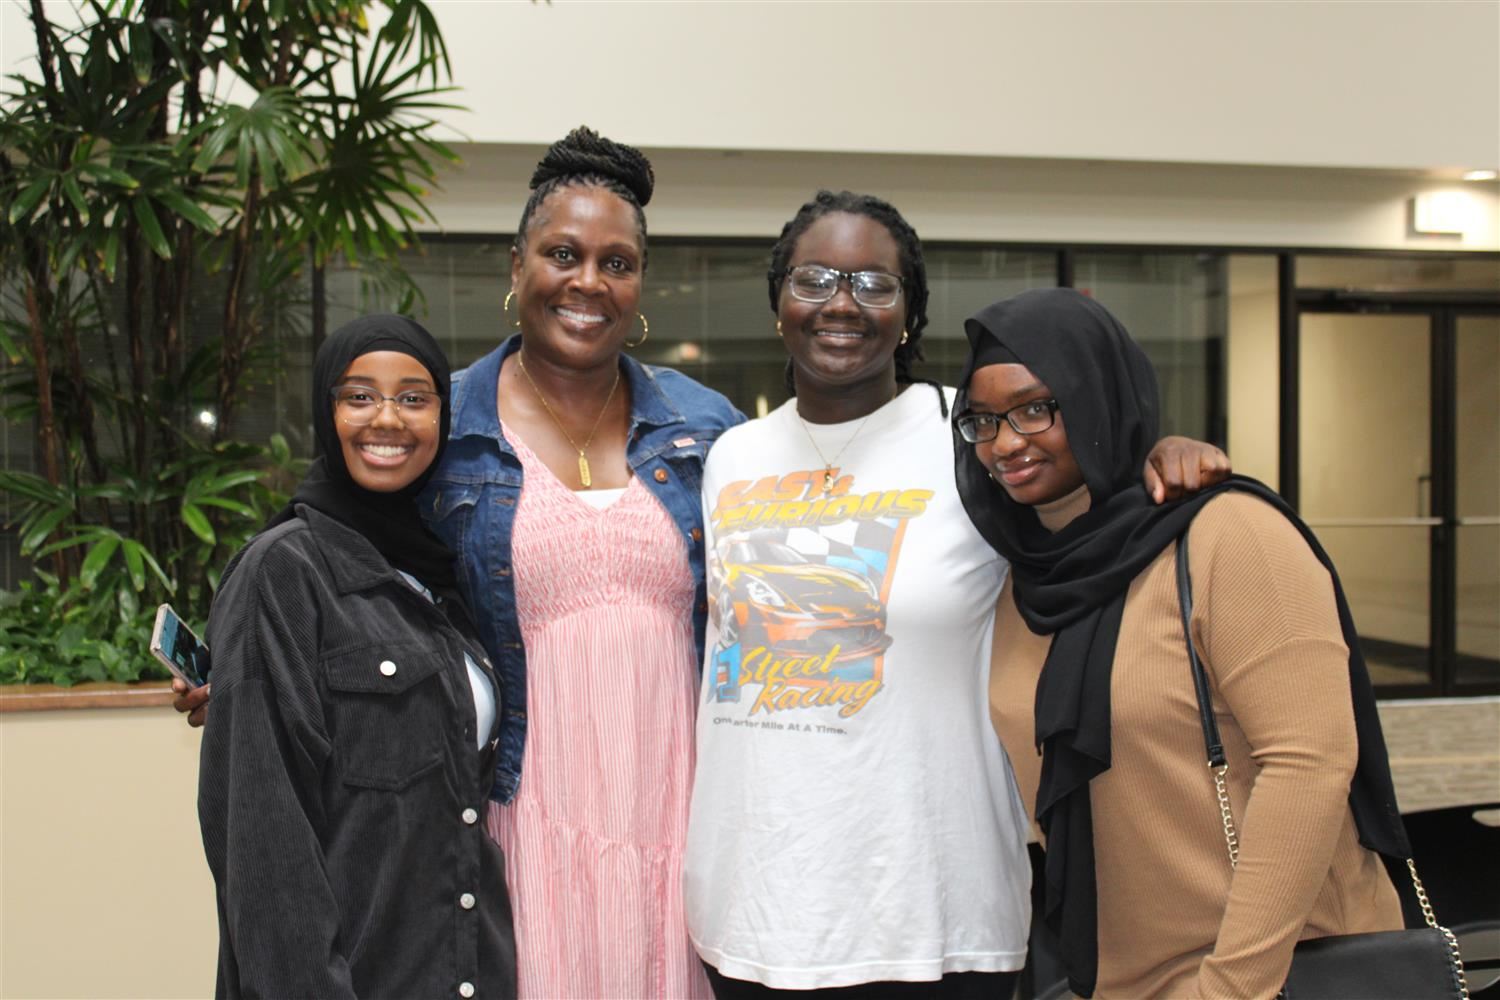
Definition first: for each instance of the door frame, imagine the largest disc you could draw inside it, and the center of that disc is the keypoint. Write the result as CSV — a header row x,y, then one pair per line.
x,y
1443,310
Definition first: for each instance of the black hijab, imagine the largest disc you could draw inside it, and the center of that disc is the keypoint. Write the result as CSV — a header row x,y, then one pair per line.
x,y
388,521
1072,584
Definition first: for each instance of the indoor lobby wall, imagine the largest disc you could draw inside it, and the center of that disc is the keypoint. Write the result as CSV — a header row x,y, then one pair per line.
x,y
1368,84
104,890
1365,84
1220,124
1252,368
752,194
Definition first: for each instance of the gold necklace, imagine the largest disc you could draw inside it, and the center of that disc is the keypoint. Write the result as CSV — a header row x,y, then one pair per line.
x,y
828,463
583,458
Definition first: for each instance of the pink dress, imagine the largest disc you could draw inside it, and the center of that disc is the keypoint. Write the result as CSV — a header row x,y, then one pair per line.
x,y
593,840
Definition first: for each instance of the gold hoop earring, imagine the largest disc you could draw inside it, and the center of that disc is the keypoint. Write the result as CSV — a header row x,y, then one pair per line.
x,y
505,308
645,331
903,338
779,333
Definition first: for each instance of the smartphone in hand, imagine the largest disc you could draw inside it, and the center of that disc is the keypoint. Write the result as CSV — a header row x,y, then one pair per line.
x,y
175,645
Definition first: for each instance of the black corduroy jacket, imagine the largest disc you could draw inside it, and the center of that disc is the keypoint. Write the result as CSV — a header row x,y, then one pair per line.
x,y
340,793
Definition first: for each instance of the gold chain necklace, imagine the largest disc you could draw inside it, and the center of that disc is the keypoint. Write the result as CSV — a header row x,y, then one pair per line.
x,y
828,463
583,458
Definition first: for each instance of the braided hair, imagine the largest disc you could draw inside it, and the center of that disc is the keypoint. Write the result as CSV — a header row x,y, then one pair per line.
x,y
913,271
581,157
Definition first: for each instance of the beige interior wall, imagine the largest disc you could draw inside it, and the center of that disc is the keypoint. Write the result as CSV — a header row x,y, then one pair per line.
x,y
1365,444
1367,83
1364,84
1252,368
104,891
703,193
1131,123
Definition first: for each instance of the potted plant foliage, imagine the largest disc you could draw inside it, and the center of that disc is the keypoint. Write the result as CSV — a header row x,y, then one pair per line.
x,y
169,167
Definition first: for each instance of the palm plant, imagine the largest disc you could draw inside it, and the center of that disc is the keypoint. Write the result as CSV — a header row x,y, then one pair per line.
x,y
173,161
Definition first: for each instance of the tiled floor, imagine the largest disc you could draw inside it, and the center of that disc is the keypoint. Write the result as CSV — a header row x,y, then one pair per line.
x,y
1444,751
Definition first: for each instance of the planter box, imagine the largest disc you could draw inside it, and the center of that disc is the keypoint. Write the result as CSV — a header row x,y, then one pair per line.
x,y
104,891
94,694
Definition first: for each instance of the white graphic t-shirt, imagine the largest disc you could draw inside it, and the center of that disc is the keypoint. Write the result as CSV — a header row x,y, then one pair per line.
x,y
854,818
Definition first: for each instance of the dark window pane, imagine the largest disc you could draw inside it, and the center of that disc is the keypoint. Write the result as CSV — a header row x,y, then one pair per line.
x,y
1177,307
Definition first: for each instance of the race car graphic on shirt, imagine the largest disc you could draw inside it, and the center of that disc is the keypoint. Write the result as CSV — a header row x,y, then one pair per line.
x,y
799,583
775,596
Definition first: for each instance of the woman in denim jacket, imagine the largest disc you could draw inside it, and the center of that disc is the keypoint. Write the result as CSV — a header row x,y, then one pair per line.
x,y
570,492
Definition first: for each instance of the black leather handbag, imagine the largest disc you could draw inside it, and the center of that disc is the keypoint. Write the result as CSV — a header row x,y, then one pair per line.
x,y
1416,964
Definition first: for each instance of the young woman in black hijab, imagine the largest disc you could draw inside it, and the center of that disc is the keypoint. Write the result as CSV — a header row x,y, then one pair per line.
x,y
349,754
1057,409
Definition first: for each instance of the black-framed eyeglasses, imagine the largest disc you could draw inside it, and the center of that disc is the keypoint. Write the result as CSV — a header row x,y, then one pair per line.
x,y
359,404
816,283
1028,418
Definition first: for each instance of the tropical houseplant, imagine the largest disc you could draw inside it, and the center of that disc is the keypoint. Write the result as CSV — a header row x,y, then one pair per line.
x,y
170,167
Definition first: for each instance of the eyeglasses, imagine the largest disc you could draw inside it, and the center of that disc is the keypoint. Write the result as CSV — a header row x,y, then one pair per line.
x,y
815,283
359,404
1028,418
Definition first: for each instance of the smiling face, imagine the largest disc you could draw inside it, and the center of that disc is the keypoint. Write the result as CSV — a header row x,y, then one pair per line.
x,y
841,349
394,448
1033,468
577,277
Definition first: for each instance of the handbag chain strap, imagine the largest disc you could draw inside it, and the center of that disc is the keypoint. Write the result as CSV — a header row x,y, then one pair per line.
x,y
1219,763
1422,899
1231,836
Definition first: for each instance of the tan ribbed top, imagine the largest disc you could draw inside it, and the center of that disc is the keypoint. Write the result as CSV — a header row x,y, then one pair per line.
x,y
1172,922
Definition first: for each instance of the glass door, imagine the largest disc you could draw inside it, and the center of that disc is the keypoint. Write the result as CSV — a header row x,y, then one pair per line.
x,y
1476,528
1398,471
1365,478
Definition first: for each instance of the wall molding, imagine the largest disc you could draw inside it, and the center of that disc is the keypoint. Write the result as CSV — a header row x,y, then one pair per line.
x,y
92,694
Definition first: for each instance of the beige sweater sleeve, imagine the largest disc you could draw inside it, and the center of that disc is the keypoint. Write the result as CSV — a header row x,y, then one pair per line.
x,y
1267,628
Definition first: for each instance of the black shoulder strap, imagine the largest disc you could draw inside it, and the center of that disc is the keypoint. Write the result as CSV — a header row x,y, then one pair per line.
x,y
1213,745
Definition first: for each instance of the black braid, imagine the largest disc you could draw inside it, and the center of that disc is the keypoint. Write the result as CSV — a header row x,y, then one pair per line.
x,y
583,156
913,271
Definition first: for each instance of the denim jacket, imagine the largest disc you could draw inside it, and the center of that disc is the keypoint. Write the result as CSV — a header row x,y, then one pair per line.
x,y
471,503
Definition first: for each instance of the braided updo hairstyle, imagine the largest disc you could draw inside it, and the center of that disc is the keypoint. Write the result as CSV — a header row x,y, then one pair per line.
x,y
913,271
583,156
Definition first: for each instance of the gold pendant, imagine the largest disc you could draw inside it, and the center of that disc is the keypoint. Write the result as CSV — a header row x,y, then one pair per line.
x,y
828,480
583,471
